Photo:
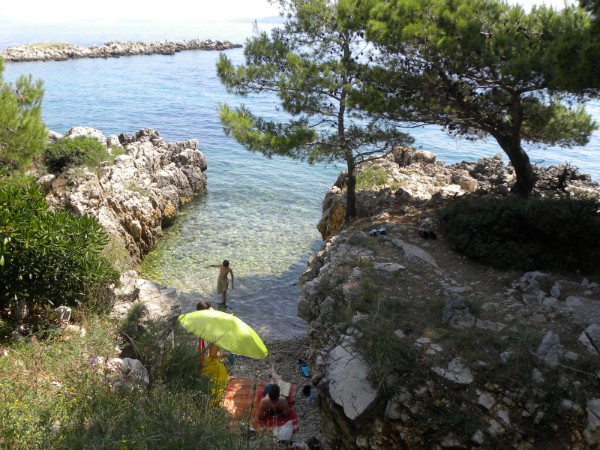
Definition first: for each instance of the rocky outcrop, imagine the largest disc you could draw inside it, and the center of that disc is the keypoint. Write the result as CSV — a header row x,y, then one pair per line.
x,y
413,347
137,195
449,365
121,373
148,313
415,176
58,51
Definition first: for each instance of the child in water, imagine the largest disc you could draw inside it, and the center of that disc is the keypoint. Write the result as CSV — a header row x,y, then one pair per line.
x,y
222,280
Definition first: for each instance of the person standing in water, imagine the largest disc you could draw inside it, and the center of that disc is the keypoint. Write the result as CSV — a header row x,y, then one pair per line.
x,y
222,280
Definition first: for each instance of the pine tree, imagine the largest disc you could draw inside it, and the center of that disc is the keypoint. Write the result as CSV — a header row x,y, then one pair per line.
x,y
481,68
22,132
310,64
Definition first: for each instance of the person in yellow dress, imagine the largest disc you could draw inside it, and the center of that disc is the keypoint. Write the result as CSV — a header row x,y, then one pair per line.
x,y
210,363
216,372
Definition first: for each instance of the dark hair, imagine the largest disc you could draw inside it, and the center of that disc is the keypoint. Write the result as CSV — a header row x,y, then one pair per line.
x,y
226,263
274,392
202,304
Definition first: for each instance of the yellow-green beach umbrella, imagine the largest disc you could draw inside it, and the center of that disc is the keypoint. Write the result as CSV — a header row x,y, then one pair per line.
x,y
226,331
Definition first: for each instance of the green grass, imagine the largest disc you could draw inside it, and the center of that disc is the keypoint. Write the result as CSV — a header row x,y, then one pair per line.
x,y
52,397
370,178
116,252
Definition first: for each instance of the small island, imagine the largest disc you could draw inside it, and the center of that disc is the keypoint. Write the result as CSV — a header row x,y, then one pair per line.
x,y
61,51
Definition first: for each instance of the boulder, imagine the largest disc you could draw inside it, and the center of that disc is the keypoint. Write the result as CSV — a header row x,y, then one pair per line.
x,y
348,382
86,132
122,372
590,338
592,429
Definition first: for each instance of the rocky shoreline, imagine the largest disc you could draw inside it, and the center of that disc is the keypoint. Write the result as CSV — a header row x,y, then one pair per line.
x,y
60,51
139,194
476,357
133,198
488,358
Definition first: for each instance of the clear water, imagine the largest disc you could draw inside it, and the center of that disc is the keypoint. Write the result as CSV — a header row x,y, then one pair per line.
x,y
259,213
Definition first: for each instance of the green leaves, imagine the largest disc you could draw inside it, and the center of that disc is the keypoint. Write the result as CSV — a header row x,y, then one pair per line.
x,y
22,132
524,234
480,67
74,152
555,124
48,256
310,65
293,139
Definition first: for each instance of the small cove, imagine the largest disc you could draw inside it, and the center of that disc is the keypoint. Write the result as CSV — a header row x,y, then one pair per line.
x,y
265,228
260,214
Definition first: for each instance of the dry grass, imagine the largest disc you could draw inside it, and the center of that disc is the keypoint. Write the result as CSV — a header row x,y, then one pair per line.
x,y
50,45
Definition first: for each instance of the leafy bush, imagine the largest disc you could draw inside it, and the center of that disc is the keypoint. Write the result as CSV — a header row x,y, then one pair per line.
x,y
547,234
47,256
369,178
79,151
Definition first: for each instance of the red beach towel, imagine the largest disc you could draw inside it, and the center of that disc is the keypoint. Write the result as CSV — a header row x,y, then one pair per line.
x,y
241,400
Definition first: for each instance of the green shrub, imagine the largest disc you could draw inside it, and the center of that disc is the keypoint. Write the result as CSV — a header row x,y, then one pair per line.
x,y
370,178
546,234
52,396
48,256
23,134
79,151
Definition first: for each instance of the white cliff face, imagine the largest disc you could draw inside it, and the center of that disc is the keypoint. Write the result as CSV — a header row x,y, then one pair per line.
x,y
139,194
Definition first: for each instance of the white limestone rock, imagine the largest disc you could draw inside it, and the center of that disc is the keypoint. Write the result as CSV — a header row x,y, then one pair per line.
x,y
590,338
349,386
549,349
389,267
592,429
456,372
87,132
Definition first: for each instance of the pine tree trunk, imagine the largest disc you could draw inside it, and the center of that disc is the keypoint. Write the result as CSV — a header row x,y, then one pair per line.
x,y
351,191
520,162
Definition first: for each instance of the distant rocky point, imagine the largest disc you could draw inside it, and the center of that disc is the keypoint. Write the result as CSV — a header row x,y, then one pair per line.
x,y
61,51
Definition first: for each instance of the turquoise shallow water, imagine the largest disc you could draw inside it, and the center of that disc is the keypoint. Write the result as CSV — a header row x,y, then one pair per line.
x,y
260,214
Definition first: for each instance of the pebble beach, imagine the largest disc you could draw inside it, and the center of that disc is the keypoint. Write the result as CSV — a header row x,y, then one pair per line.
x,y
285,355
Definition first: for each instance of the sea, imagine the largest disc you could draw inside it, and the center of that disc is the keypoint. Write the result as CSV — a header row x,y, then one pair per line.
x,y
258,213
